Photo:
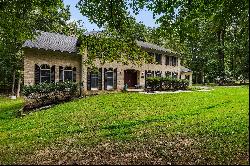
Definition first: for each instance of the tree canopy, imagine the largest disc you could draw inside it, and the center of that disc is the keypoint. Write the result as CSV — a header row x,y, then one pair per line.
x,y
211,35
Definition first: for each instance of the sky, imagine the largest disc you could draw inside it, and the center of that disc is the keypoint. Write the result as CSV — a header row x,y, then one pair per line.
x,y
144,16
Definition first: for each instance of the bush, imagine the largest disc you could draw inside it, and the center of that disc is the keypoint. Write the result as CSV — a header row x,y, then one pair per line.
x,y
44,94
224,81
166,83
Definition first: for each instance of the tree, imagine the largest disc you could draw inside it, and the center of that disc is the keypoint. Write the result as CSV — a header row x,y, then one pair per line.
x,y
20,20
201,29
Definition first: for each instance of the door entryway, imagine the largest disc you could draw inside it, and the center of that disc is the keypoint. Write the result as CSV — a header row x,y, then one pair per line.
x,y
130,78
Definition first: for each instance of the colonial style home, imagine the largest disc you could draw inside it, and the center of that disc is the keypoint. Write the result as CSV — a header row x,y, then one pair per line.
x,y
53,57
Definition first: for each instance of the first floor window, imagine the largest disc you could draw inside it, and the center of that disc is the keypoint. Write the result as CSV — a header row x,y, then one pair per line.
x,y
168,74
175,75
158,73
67,74
94,79
44,73
110,78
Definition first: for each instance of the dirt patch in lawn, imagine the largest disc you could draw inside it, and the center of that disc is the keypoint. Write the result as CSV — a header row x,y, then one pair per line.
x,y
157,151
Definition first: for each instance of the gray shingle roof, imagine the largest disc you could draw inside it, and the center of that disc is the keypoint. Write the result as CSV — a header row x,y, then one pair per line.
x,y
59,42
53,41
153,46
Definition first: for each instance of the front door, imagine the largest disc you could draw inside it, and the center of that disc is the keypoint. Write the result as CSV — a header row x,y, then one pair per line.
x,y
130,78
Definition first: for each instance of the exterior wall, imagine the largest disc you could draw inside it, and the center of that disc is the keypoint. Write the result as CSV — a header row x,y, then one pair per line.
x,y
190,76
35,56
57,58
140,71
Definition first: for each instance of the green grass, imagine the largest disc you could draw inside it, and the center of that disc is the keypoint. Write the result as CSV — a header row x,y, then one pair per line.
x,y
184,128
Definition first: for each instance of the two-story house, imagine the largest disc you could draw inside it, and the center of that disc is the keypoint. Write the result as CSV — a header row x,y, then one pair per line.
x,y
53,57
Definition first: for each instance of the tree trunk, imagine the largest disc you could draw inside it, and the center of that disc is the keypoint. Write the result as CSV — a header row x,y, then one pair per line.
x,y
13,82
18,86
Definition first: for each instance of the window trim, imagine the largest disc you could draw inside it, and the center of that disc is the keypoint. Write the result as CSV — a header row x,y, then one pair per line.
x,y
91,80
72,70
110,70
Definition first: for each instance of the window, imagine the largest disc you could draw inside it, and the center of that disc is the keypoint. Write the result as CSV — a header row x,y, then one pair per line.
x,y
187,77
167,60
158,58
168,74
174,61
170,60
94,79
67,74
158,73
44,73
175,75
109,79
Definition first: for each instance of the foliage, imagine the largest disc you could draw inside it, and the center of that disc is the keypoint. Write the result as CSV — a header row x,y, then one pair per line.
x,y
204,127
225,81
44,94
112,45
212,36
50,87
20,21
166,83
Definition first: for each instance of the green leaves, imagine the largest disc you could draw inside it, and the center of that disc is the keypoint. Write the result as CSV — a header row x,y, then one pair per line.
x,y
166,83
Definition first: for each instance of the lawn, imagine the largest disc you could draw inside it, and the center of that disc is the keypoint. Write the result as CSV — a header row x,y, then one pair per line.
x,y
131,128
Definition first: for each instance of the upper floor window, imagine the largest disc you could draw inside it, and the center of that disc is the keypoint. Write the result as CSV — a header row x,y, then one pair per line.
x,y
167,60
175,63
171,60
67,73
158,58
44,73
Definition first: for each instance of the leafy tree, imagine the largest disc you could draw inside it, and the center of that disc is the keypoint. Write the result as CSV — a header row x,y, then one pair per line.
x,y
201,30
20,20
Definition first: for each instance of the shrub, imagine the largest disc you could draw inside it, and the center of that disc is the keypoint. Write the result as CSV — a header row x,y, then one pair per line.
x,y
225,81
166,83
48,93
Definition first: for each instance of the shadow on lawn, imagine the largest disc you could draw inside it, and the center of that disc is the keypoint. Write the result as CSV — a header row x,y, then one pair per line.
x,y
10,111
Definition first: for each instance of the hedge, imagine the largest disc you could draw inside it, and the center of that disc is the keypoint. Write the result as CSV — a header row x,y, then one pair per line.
x,y
44,94
166,83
